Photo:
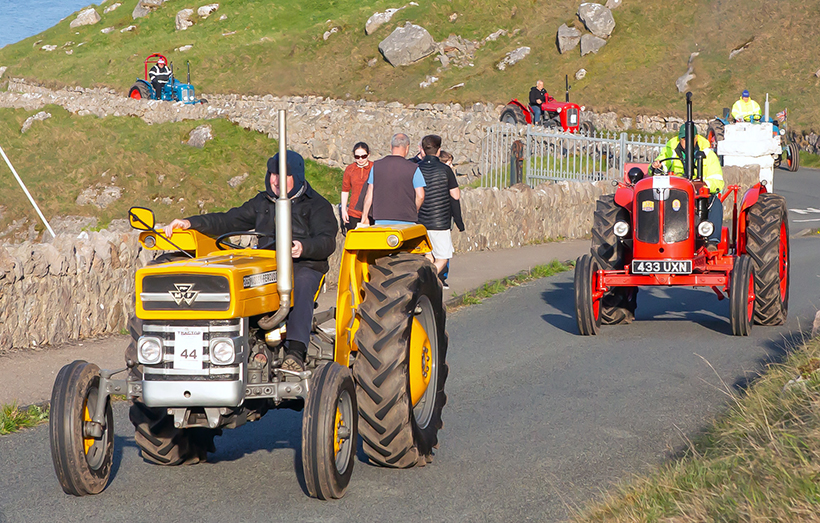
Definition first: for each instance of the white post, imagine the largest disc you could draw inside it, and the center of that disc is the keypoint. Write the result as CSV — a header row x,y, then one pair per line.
x,y
766,115
33,203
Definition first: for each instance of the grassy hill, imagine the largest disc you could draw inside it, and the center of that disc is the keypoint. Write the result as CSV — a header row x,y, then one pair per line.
x,y
277,47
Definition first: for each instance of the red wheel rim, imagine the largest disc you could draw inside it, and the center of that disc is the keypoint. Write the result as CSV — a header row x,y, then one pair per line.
x,y
750,300
135,94
784,261
596,296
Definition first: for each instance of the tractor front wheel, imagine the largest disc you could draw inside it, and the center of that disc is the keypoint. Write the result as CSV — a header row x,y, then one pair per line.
x,y
618,306
742,296
587,297
81,452
329,428
792,157
767,244
401,367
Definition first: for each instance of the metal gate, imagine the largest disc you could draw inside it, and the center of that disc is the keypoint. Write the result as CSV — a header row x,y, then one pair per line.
x,y
532,155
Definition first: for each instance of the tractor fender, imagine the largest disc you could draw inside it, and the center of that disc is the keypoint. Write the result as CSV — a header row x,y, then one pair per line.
x,y
751,195
624,197
149,86
525,108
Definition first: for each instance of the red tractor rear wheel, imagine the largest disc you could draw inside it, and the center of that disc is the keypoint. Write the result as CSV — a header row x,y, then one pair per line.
x,y
792,157
139,91
742,296
587,298
767,244
619,304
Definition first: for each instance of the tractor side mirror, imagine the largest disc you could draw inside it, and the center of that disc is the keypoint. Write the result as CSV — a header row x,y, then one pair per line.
x,y
141,218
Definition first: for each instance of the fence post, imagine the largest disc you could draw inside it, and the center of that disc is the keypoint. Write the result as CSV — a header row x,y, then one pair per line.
x,y
622,163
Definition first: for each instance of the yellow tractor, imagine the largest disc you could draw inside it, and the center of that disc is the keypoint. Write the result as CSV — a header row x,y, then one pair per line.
x,y
207,348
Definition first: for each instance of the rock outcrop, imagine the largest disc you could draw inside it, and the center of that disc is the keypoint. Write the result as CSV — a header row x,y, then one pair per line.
x,y
183,19
206,10
591,44
146,7
111,7
377,20
568,38
597,19
88,16
39,117
407,44
200,135
513,57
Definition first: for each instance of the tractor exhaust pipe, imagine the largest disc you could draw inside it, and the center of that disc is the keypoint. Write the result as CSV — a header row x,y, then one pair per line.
x,y
188,63
567,87
689,159
284,235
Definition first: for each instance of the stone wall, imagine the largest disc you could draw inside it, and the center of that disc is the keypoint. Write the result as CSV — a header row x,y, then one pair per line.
x,y
72,288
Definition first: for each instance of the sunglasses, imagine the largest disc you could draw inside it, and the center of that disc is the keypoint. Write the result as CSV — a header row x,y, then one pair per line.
x,y
360,156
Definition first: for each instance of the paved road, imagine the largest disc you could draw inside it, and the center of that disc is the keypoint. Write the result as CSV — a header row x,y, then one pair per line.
x,y
539,420
802,192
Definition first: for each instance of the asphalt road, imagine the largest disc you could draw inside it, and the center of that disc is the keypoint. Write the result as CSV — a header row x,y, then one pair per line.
x,y
539,420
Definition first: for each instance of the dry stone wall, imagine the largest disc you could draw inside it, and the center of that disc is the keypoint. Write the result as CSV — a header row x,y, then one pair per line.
x,y
73,288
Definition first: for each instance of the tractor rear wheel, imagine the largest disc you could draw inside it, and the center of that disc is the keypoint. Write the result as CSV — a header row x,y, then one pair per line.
x,y
139,91
163,444
513,114
586,128
714,134
792,157
329,432
742,296
618,305
401,367
587,299
81,460
767,243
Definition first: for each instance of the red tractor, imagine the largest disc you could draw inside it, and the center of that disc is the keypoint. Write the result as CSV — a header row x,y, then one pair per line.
x,y
564,115
652,232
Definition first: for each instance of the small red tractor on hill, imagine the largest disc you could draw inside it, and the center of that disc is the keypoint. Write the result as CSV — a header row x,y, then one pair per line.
x,y
653,231
555,115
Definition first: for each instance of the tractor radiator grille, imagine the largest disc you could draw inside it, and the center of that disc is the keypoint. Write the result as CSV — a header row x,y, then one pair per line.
x,y
572,117
676,216
647,224
175,292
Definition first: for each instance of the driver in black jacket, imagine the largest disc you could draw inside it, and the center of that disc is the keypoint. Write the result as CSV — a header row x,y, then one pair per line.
x,y
314,240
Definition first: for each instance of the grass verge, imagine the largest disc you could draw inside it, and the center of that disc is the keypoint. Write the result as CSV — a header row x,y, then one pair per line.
x,y
758,462
13,418
494,287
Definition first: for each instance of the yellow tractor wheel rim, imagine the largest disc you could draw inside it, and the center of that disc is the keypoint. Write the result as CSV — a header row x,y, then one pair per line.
x,y
337,443
420,364
87,442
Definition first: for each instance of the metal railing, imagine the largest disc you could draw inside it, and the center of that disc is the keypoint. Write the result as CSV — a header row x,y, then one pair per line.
x,y
532,155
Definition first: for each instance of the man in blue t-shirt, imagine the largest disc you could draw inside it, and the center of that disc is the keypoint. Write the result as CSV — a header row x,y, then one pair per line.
x,y
395,187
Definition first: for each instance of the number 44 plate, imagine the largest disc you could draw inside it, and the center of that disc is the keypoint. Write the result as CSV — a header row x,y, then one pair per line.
x,y
661,266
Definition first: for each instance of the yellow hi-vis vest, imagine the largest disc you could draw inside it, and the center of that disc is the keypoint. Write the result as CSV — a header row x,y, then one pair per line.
x,y
712,171
743,109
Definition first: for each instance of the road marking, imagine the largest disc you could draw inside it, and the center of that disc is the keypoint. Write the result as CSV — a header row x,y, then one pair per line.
x,y
808,210
803,221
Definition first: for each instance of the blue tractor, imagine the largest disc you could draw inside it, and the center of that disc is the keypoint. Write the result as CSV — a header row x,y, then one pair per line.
x,y
173,91
717,127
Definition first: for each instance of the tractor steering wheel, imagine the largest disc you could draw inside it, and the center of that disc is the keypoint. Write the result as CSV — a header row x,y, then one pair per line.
x,y
657,171
223,244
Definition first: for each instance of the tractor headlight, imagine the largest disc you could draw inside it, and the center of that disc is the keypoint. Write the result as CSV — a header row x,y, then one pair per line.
x,y
782,132
559,109
706,229
222,351
583,107
620,229
149,350
393,240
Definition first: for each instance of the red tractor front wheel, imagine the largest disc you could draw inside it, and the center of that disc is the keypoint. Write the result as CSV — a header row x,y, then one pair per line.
x,y
587,296
742,296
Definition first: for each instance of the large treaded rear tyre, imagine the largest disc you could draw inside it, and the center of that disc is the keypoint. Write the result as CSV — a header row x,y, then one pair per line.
x,y
618,305
329,432
767,243
139,91
513,114
792,157
82,462
715,133
402,312
162,443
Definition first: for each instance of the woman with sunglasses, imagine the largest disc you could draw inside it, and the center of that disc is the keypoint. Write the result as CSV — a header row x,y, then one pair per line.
x,y
353,183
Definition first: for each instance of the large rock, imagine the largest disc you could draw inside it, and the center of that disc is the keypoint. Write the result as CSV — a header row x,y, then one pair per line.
x,y
591,44
3,71
568,38
183,20
39,117
111,7
206,10
376,20
200,135
682,83
86,17
597,18
612,4
513,57
145,7
407,44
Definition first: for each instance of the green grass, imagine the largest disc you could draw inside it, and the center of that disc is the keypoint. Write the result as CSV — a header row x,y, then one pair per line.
x,y
498,286
60,157
277,47
809,160
13,419
757,462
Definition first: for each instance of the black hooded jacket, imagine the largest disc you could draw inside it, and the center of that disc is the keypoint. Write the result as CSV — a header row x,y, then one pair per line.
x,y
314,224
